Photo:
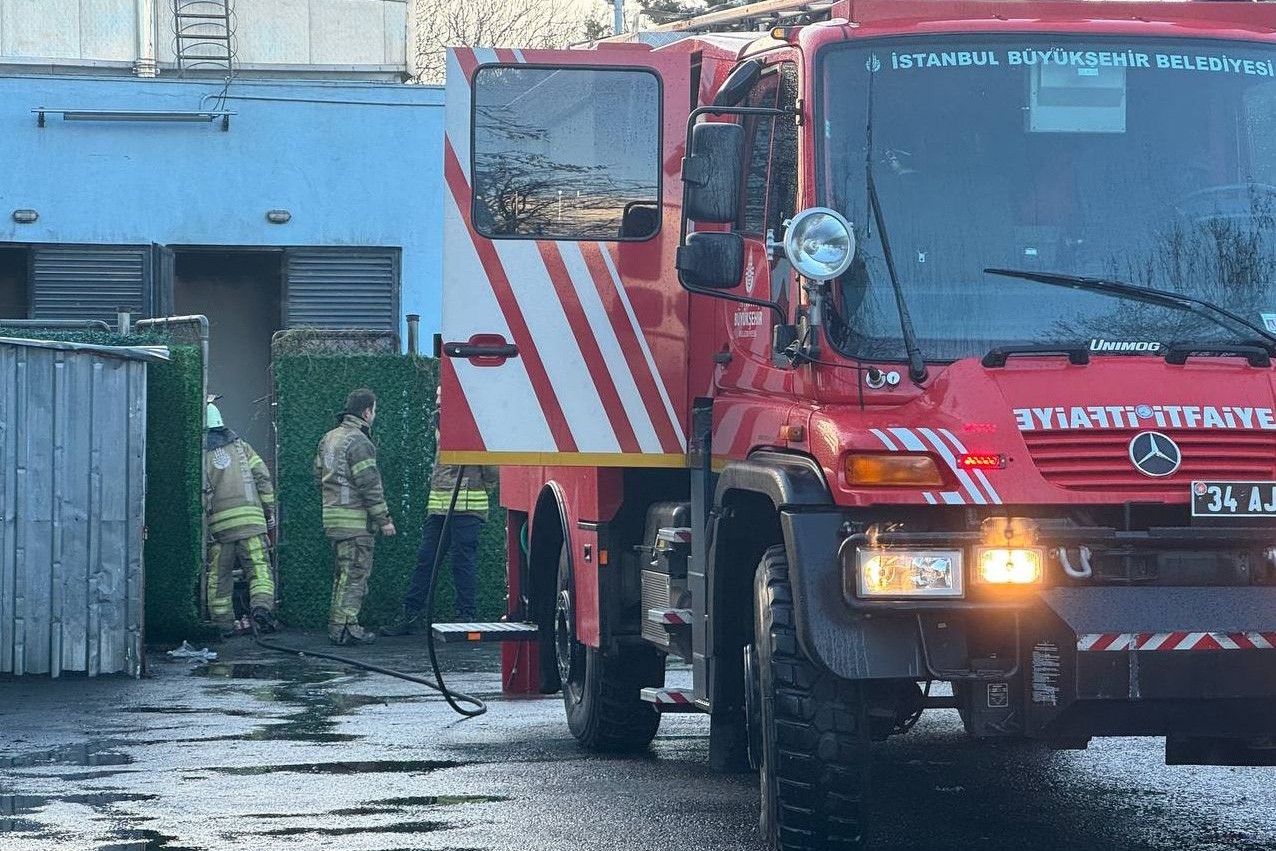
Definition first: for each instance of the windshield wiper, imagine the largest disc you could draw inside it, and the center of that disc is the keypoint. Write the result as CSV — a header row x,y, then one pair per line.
x,y
1220,316
916,365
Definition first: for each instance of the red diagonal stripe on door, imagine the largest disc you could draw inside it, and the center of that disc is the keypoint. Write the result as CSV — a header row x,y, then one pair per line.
x,y
613,408
631,347
514,318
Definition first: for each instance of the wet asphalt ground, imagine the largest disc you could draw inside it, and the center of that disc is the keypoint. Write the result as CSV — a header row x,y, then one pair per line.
x,y
264,751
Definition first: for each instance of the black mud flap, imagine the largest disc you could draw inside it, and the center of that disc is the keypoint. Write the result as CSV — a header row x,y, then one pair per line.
x,y
1214,750
1175,662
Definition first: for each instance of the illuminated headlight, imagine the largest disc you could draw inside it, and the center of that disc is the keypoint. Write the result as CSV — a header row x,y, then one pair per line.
x,y
908,573
1010,566
819,243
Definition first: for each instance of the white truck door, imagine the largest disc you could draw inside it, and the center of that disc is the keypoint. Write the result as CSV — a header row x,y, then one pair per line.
x,y
560,302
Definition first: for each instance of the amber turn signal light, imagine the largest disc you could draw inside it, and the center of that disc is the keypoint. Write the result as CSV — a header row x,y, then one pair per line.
x,y
893,469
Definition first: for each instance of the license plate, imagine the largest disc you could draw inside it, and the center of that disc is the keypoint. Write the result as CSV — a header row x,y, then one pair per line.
x,y
1234,499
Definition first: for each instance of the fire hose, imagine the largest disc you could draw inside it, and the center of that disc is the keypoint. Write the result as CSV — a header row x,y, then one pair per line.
x,y
462,704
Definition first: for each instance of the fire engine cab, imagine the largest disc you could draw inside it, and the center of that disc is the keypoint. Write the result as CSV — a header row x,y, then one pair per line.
x,y
844,351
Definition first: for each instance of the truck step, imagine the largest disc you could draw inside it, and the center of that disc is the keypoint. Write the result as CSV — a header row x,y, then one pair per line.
x,y
670,617
671,699
497,631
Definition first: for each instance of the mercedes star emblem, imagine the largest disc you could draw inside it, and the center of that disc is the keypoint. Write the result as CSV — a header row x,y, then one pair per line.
x,y
1154,454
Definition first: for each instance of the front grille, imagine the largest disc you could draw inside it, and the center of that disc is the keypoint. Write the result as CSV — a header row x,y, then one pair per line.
x,y
1099,459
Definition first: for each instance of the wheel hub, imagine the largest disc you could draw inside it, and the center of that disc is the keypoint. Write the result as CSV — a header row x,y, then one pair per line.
x,y
566,646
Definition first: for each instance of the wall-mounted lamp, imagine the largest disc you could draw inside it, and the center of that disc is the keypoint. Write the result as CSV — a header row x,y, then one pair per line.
x,y
278,217
25,217
164,115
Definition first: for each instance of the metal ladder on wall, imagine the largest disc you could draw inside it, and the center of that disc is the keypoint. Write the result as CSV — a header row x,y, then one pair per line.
x,y
204,34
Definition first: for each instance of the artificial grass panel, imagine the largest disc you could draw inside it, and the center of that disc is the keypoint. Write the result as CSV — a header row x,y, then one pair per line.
x,y
310,390
174,506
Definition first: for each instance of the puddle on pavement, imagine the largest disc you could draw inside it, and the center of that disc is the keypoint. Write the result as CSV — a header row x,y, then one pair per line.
x,y
401,827
17,805
396,805
301,673
438,800
13,825
145,840
316,719
87,754
93,775
191,710
376,766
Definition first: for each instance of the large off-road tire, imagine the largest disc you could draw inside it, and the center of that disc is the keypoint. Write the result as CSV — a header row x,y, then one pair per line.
x,y
812,730
602,694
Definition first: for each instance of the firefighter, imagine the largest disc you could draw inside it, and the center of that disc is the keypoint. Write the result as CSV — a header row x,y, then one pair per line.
x,y
353,508
241,510
463,535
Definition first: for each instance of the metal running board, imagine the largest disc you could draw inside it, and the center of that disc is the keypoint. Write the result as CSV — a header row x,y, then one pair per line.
x,y
497,631
671,699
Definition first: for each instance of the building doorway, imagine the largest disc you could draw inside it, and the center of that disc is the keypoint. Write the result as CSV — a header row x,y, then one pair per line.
x,y
241,293
15,282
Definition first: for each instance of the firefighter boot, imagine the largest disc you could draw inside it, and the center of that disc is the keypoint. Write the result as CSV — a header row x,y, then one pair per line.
x,y
350,633
405,624
264,621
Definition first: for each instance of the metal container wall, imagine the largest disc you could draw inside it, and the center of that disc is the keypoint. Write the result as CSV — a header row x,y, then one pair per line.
x,y
72,495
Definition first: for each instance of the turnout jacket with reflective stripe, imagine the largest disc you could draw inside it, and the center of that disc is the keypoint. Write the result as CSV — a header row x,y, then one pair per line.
x,y
472,498
346,468
240,494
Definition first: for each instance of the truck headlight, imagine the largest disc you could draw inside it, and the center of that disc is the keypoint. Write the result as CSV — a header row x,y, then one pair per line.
x,y
819,243
1010,565
908,573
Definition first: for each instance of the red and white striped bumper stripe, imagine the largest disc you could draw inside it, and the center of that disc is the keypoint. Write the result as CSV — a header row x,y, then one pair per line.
x,y
1094,642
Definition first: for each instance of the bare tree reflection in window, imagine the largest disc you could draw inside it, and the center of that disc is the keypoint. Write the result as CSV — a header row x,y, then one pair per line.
x,y
565,153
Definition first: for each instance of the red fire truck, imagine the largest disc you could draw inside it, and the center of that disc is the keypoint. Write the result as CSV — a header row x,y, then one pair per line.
x,y
881,345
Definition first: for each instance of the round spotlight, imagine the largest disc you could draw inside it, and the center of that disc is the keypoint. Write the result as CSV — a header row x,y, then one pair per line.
x,y
819,243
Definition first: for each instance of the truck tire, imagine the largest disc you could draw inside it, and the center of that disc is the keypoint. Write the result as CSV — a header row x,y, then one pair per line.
x,y
813,735
602,693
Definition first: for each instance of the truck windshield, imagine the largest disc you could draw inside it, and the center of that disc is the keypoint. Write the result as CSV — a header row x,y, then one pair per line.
x,y
1150,162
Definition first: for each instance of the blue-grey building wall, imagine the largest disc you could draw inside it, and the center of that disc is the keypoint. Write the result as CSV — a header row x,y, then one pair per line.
x,y
355,163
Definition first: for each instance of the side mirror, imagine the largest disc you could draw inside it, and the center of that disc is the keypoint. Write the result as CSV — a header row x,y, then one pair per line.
x,y
640,220
712,171
739,83
712,260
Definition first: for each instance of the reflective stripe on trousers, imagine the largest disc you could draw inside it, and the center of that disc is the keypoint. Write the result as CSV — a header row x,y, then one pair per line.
x,y
353,567
252,554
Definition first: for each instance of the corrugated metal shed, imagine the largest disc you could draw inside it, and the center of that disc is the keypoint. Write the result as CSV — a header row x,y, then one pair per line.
x,y
72,500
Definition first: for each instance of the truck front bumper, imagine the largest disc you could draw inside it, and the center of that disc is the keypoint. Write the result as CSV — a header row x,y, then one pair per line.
x,y
1073,662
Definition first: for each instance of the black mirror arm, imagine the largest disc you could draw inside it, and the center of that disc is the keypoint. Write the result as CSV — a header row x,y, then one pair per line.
x,y
689,164
773,306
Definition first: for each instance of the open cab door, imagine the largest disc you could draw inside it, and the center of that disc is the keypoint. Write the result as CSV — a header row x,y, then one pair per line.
x,y
565,332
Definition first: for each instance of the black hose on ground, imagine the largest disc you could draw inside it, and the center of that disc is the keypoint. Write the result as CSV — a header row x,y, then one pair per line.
x,y
455,699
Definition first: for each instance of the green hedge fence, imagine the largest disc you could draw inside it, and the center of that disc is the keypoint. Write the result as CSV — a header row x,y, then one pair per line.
x,y
310,391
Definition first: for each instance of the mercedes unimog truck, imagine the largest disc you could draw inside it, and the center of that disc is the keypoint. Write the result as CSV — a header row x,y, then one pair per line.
x,y
879,356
